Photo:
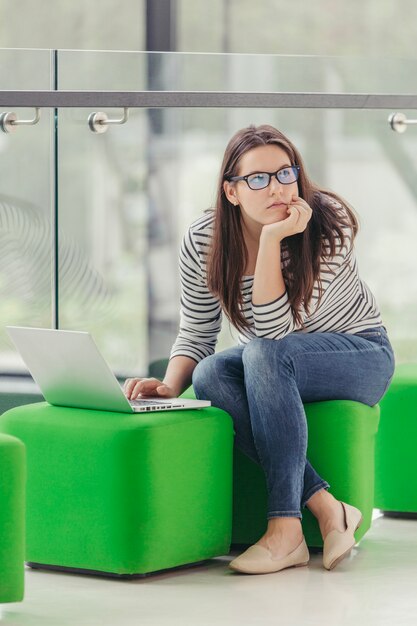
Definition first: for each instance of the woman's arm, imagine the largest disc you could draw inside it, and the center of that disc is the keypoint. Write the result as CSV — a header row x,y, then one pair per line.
x,y
179,374
200,313
200,323
271,308
268,283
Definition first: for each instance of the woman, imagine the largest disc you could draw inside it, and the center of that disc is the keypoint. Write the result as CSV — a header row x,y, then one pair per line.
x,y
276,256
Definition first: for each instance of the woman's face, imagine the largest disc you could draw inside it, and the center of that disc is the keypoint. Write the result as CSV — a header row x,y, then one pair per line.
x,y
262,206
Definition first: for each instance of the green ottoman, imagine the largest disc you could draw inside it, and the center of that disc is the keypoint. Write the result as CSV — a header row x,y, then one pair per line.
x,y
12,515
395,453
341,436
124,494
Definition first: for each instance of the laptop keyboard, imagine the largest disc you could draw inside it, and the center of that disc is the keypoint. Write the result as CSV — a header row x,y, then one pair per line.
x,y
146,402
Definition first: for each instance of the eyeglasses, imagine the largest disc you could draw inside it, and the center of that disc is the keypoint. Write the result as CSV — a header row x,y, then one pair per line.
x,y
261,180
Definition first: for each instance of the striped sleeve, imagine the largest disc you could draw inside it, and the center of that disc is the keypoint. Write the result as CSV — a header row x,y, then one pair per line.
x,y
273,320
200,312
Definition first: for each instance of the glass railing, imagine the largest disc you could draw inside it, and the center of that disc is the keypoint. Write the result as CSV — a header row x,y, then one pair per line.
x,y
123,198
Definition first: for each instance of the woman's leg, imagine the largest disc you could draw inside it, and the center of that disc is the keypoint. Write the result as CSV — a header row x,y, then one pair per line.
x,y
305,367
220,378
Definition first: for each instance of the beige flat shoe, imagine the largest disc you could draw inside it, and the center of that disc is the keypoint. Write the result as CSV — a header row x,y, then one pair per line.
x,y
338,544
259,560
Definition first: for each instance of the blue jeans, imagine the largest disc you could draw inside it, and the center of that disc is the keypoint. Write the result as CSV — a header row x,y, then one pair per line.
x,y
263,385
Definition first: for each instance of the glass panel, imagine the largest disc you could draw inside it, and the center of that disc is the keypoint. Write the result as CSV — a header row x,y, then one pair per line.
x,y
127,196
25,206
181,71
105,254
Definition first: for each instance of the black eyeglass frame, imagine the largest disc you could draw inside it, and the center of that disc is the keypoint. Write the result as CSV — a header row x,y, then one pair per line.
x,y
233,179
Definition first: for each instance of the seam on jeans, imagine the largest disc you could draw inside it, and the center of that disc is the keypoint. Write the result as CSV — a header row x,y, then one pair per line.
x,y
386,387
303,354
381,347
284,513
292,357
298,515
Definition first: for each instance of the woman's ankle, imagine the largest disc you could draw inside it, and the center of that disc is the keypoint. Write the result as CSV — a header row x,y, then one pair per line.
x,y
282,536
322,503
284,526
327,510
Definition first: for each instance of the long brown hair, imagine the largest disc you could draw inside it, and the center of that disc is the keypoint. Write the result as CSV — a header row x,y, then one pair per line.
x,y
228,253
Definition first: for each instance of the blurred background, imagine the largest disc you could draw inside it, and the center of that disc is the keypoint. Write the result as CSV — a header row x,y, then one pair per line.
x,y
125,198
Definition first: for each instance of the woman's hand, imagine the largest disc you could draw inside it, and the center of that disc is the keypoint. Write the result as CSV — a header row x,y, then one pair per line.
x,y
299,214
135,387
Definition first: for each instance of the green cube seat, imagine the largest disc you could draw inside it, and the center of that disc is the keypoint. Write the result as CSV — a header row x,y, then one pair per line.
x,y
125,494
12,518
396,443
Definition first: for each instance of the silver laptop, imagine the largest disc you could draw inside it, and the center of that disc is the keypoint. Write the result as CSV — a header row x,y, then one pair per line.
x,y
70,371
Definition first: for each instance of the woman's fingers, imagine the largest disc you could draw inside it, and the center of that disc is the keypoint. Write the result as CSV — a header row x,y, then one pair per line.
x,y
295,214
129,385
301,205
139,390
304,212
141,386
298,215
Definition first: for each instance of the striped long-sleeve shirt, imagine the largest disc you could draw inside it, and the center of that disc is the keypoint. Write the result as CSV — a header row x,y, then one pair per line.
x,y
347,304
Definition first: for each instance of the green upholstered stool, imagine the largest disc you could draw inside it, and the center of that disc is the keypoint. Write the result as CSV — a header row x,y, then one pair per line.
x,y
125,494
395,452
12,516
341,436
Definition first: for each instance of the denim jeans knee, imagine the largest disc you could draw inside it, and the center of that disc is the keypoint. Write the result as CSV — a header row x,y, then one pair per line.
x,y
262,354
203,375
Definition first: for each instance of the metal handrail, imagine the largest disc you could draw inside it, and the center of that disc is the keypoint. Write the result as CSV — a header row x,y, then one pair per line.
x,y
206,99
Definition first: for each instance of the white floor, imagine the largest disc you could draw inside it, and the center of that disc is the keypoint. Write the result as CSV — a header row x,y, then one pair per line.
x,y
376,585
